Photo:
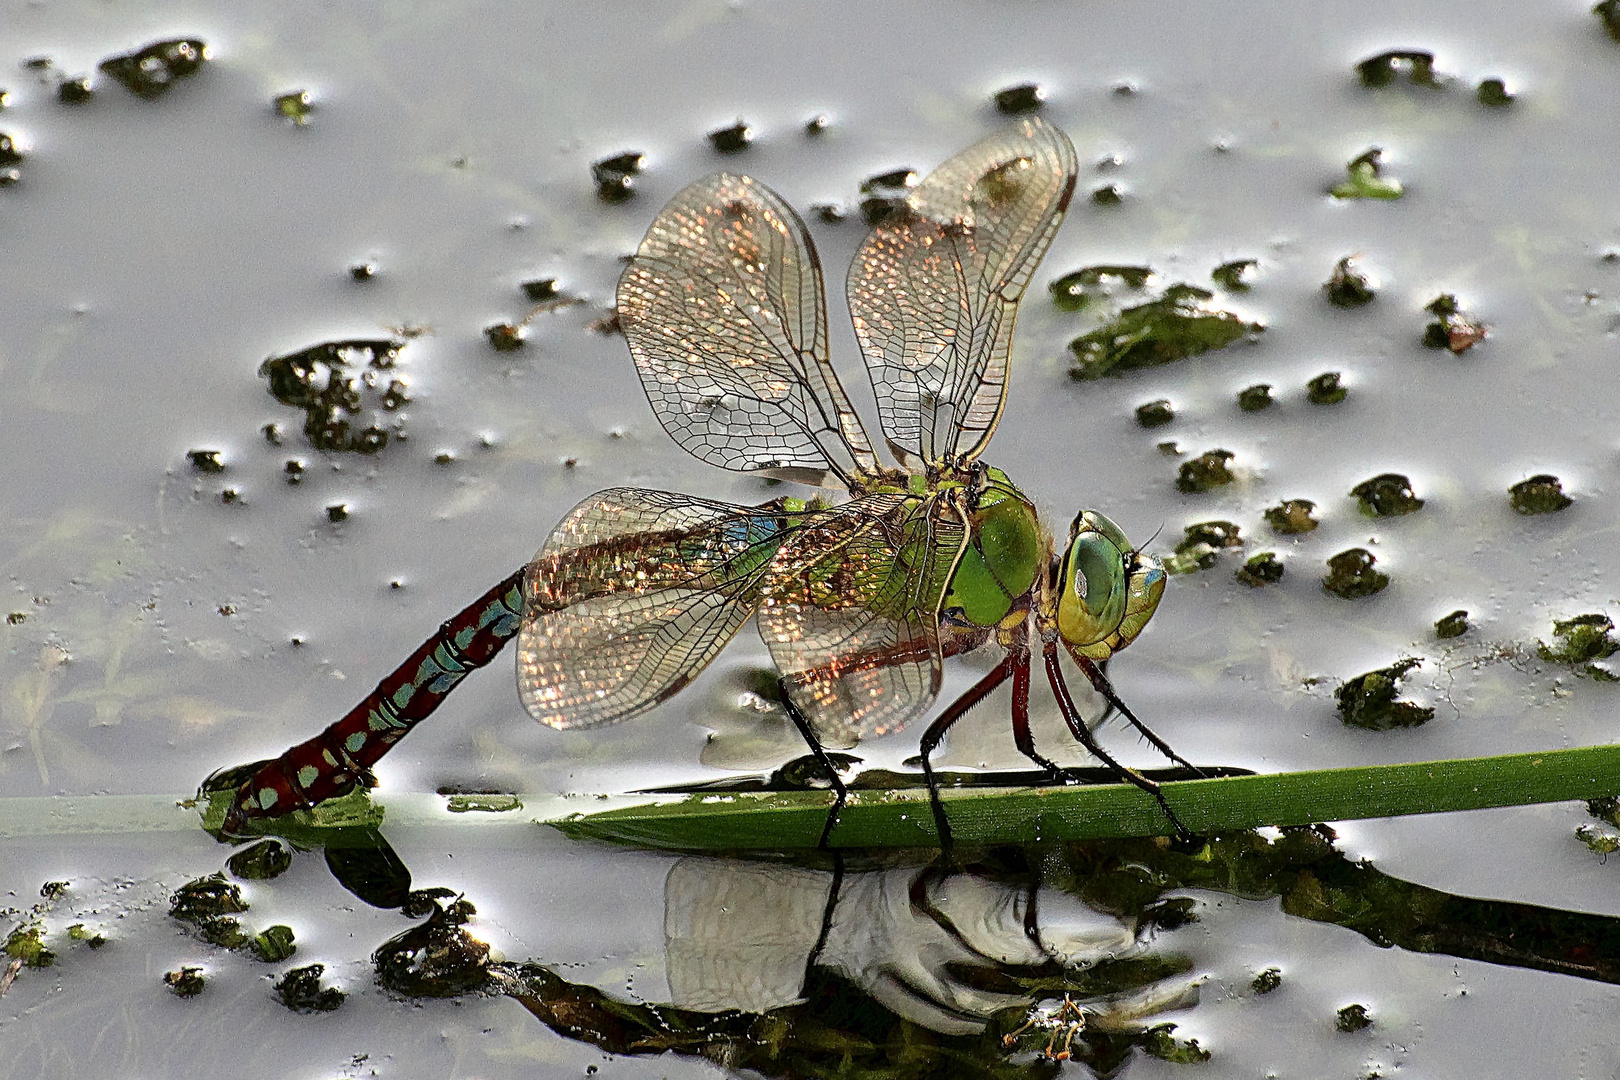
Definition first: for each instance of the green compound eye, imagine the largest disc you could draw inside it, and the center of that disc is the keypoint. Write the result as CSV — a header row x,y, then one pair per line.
x,y
1109,590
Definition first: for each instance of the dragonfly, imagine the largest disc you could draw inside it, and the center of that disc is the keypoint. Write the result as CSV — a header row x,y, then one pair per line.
x,y
861,591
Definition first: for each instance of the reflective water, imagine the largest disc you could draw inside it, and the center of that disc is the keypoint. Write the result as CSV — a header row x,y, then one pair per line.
x,y
153,253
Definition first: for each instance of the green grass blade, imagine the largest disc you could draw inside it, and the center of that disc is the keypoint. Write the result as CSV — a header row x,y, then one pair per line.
x,y
756,821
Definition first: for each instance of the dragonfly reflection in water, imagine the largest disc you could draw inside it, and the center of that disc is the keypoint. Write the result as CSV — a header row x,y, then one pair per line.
x,y
859,601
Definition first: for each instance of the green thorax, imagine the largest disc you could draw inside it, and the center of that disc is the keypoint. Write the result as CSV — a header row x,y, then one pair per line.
x,y
1003,554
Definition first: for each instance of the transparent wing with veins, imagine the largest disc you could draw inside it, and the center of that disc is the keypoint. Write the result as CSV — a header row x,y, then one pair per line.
x,y
726,318
934,289
851,613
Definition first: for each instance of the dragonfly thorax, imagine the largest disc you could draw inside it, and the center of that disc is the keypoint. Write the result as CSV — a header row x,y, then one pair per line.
x,y
1003,555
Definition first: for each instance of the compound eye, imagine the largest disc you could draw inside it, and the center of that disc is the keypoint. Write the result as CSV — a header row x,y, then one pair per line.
x,y
1095,588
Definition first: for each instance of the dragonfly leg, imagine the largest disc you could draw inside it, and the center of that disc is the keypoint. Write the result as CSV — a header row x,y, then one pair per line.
x,y
1077,725
1020,719
841,793
942,723
1099,680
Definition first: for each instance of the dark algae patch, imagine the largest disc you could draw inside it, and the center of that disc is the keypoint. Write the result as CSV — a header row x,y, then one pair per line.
x,y
1386,495
1292,517
1494,94
615,176
1255,398
504,337
1382,70
1368,701
1205,472
274,944
1075,290
1452,328
1325,389
187,982
75,91
1019,100
10,158
1581,642
1262,569
209,903
322,380
438,959
1234,276
1352,1018
1367,179
207,461
1156,413
1541,494
1608,13
1108,195
1453,625
301,990
1178,325
1347,287
540,290
1267,981
733,139
263,861
885,193
1351,575
1200,544
295,105
150,72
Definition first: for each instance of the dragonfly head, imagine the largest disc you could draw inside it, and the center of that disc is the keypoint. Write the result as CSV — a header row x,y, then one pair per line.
x,y
1107,589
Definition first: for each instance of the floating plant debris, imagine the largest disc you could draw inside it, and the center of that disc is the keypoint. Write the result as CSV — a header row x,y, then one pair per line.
x,y
1367,179
482,802
263,861
151,71
1255,398
1368,701
1156,413
1267,981
885,193
186,982
1234,276
295,105
1453,625
1385,68
1453,328
1207,470
1386,495
733,139
10,158
318,380
1347,287
1020,99
437,959
1293,517
504,337
1352,1018
1108,195
1262,569
1200,545
1351,575
1581,642
1178,325
301,990
208,904
830,213
1541,494
75,91
540,290
293,470
363,271
337,513
1325,389
26,944
817,124
207,461
1494,94
615,176
1608,13
1069,292
274,944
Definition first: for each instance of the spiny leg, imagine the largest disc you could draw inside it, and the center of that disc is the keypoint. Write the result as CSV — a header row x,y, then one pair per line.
x,y
840,791
1099,681
1020,719
942,723
1077,725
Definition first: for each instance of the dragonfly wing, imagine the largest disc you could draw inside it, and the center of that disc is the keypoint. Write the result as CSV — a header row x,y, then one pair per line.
x,y
632,595
934,290
851,614
727,321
